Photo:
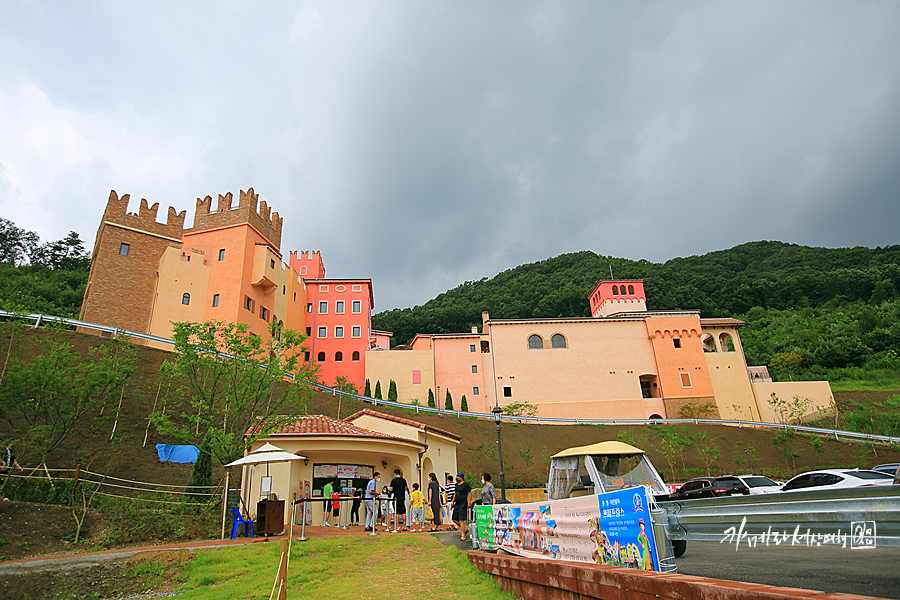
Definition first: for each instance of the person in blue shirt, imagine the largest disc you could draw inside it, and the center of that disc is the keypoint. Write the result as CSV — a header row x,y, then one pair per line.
x,y
371,493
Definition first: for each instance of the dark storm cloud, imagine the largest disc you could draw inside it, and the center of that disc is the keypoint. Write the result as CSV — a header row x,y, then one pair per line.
x,y
425,144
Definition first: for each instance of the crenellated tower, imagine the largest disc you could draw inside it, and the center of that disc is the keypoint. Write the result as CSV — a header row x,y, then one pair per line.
x,y
266,222
308,264
127,250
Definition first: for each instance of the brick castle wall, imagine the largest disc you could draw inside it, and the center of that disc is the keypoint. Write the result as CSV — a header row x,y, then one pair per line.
x,y
120,288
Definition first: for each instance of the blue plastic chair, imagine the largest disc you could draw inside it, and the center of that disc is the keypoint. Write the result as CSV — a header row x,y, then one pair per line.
x,y
238,521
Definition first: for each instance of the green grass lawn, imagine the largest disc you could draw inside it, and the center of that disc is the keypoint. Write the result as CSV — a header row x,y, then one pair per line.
x,y
387,566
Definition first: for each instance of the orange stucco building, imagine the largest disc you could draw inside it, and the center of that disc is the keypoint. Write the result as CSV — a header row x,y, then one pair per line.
x,y
624,362
228,267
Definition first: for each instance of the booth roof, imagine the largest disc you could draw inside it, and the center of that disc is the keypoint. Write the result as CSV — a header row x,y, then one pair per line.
x,y
411,423
320,425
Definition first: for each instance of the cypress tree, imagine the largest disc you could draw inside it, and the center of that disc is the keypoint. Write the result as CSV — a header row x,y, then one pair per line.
x,y
430,398
378,390
201,477
368,392
463,405
392,391
448,401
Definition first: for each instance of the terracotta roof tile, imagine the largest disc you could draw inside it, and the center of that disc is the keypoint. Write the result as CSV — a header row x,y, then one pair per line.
x,y
410,422
316,425
722,321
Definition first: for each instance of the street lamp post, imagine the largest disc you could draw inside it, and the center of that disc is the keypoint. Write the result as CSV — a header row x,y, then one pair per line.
x,y
498,413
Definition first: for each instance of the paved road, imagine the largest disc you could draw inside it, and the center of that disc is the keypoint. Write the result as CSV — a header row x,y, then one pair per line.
x,y
868,572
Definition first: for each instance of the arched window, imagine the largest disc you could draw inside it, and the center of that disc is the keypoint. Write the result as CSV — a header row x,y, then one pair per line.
x,y
186,299
485,346
709,342
321,357
356,356
726,342
558,341
535,342
615,290
338,356
631,290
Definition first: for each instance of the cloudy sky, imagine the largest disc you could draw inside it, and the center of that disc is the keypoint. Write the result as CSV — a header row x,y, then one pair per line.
x,y
426,143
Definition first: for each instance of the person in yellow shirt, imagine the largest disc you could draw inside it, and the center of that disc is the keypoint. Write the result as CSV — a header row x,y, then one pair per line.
x,y
416,509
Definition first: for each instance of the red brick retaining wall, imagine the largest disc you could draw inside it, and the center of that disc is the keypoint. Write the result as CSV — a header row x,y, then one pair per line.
x,y
557,580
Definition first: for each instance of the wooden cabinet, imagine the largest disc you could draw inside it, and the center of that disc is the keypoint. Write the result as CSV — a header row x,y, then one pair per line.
x,y
269,517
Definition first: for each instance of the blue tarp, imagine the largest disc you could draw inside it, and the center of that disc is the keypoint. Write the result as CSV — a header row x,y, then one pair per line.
x,y
177,454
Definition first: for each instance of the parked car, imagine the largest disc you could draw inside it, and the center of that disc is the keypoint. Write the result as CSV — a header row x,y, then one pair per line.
x,y
759,484
890,468
710,487
832,479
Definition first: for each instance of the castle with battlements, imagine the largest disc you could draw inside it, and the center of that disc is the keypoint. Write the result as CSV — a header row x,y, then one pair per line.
x,y
228,267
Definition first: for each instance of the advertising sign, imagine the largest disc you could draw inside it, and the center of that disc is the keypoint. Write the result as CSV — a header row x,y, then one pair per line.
x,y
347,471
608,529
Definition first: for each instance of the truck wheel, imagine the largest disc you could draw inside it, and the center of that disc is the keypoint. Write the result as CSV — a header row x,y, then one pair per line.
x,y
678,547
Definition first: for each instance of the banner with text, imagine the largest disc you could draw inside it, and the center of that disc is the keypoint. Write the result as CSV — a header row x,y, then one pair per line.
x,y
608,529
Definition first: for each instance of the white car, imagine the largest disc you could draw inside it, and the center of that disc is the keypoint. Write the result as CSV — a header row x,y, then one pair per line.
x,y
832,479
759,484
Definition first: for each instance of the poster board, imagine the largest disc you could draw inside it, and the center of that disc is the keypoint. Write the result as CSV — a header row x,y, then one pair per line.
x,y
347,471
325,471
614,528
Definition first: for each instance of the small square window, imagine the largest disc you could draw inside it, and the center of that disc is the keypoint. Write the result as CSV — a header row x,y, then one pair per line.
x,y
215,299
124,248
308,331
308,307
357,306
472,348
474,368
306,356
338,332
356,331
686,380
186,299
248,303
507,392
221,253
677,342
323,332
264,313
323,307
474,391
271,263
339,307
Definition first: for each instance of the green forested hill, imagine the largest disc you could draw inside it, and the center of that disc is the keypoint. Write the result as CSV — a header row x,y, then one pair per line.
x,y
725,283
830,309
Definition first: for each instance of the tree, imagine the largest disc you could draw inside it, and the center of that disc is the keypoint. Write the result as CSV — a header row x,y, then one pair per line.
x,y
378,390
44,398
201,477
15,243
448,401
431,398
368,390
521,409
392,391
344,386
67,254
231,382
786,363
463,405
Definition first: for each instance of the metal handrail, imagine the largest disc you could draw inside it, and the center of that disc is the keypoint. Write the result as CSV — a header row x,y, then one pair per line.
x,y
805,516
836,433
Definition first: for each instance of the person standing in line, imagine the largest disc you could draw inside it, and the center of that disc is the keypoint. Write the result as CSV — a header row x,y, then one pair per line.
x,y
354,510
371,493
416,509
462,499
449,489
326,494
434,501
488,492
398,491
336,506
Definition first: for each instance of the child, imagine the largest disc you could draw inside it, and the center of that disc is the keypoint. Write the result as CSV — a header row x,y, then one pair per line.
x,y
336,506
385,503
417,510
